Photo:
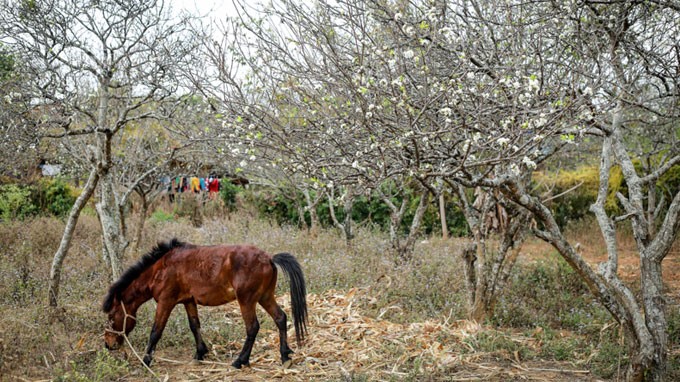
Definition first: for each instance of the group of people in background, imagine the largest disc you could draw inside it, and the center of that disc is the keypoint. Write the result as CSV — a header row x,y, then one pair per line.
x,y
193,184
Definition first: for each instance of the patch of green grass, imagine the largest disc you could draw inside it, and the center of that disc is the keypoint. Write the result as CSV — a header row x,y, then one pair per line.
x,y
104,367
160,216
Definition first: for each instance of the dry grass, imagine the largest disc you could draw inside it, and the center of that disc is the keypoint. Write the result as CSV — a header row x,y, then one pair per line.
x,y
370,320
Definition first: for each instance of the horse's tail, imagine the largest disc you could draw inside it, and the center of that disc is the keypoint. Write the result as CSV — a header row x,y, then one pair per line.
x,y
298,291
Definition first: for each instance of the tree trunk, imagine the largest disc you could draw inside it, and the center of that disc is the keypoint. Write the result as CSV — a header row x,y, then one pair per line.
x,y
64,245
301,215
347,207
469,255
487,269
313,215
655,315
396,216
142,221
113,235
442,216
346,226
406,250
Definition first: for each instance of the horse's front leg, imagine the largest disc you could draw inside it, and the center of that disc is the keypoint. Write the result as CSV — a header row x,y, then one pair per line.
x,y
163,311
195,325
252,327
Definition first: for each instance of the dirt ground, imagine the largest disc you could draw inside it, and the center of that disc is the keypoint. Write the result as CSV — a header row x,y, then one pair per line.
x,y
592,249
343,345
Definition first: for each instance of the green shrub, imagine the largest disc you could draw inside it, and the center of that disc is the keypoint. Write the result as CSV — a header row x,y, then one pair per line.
x,y
55,197
48,197
275,205
228,192
272,205
15,202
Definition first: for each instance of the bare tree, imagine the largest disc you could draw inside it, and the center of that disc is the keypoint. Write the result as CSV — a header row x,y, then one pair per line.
x,y
498,231
103,64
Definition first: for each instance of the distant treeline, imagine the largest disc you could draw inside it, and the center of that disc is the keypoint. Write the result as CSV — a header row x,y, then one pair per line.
x,y
56,196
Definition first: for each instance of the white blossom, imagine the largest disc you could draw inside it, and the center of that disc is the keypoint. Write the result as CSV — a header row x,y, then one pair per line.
x,y
466,145
529,163
514,169
502,141
476,137
533,83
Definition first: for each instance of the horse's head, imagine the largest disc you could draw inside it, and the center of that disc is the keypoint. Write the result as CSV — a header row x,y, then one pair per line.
x,y
121,321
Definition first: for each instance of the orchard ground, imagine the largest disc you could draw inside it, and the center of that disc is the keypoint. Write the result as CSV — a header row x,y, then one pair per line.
x,y
369,319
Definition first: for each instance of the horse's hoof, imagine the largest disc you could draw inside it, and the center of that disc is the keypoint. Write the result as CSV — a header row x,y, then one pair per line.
x,y
287,364
147,360
239,364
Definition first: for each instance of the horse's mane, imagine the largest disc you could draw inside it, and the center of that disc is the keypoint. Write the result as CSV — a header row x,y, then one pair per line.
x,y
135,270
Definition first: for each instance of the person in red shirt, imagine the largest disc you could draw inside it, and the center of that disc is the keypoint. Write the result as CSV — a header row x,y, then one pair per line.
x,y
213,187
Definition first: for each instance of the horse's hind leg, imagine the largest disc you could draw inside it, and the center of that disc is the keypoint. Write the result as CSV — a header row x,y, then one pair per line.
x,y
252,327
269,304
195,325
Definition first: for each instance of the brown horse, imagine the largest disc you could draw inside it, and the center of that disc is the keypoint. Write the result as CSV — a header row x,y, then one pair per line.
x,y
178,273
